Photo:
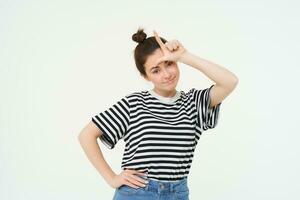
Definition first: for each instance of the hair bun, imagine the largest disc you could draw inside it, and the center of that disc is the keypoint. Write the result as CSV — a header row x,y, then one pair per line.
x,y
139,36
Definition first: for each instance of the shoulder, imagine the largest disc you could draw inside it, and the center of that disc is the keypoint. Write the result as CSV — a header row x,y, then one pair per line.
x,y
189,94
197,94
137,96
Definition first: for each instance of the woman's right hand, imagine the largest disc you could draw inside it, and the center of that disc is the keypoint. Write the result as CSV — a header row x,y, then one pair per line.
x,y
129,177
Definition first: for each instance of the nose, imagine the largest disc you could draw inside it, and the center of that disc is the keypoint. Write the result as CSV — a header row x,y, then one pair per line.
x,y
166,73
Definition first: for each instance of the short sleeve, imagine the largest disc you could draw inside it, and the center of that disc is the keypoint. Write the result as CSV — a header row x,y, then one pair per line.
x,y
113,122
207,117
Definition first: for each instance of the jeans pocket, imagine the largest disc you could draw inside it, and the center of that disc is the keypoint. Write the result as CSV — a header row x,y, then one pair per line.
x,y
127,190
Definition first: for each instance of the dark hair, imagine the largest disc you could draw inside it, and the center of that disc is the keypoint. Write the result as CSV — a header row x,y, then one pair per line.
x,y
145,48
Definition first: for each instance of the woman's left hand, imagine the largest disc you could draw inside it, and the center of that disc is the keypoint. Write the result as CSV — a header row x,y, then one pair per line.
x,y
172,50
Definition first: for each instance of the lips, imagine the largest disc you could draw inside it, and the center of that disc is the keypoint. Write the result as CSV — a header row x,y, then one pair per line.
x,y
170,81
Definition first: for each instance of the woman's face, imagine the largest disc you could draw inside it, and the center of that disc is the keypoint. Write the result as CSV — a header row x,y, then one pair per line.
x,y
164,75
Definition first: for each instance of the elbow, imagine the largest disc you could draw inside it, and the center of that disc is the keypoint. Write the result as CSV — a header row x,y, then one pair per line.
x,y
234,79
234,82
82,136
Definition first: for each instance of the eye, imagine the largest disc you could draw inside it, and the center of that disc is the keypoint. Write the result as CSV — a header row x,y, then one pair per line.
x,y
169,63
155,71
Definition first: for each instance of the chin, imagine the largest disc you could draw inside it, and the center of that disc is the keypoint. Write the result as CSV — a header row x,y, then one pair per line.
x,y
171,87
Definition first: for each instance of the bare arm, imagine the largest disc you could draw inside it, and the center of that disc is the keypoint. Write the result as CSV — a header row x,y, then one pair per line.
x,y
88,141
225,80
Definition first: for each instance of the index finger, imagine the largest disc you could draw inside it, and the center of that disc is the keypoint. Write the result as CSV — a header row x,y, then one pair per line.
x,y
161,44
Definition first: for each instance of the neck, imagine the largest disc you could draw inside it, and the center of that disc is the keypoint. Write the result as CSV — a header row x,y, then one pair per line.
x,y
165,93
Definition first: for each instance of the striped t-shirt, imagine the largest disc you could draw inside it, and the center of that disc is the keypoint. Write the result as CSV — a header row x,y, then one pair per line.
x,y
160,134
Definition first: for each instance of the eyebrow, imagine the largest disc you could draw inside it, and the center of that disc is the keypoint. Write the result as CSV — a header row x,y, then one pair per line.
x,y
153,67
157,65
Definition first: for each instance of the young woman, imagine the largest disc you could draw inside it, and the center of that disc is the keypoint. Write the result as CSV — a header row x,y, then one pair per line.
x,y
161,127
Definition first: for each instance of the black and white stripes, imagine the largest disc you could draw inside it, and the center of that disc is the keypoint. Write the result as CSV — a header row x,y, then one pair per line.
x,y
159,137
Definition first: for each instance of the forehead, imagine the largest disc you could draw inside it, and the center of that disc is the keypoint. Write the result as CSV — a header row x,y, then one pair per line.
x,y
152,59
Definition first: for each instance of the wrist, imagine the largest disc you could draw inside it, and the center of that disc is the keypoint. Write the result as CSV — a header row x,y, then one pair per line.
x,y
111,181
184,57
109,176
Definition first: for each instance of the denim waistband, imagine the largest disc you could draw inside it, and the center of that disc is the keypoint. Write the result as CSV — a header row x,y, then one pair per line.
x,y
165,186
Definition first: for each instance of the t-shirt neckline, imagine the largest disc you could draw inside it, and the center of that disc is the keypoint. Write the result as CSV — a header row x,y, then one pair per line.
x,y
168,100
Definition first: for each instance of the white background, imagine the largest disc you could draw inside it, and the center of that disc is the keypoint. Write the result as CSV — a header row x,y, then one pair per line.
x,y
64,61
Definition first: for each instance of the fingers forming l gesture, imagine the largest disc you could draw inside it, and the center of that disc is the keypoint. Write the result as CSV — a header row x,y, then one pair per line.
x,y
172,50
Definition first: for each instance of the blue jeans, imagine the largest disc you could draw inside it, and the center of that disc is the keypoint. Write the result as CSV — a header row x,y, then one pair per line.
x,y
154,190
